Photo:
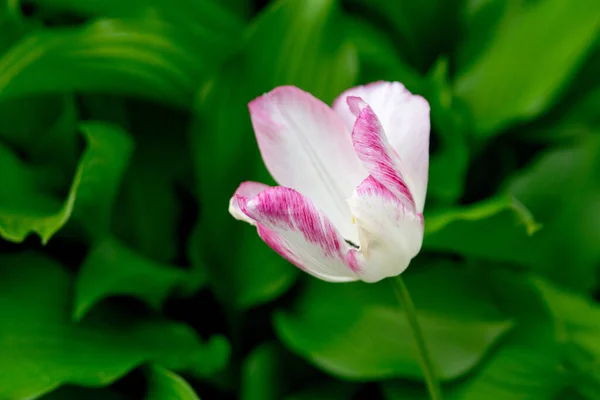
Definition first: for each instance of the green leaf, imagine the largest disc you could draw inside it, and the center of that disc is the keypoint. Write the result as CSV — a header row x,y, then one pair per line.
x,y
151,59
200,18
358,330
78,393
576,321
39,339
167,385
570,235
409,24
225,154
525,66
449,162
326,391
159,161
90,198
112,269
263,373
445,229
526,367
302,43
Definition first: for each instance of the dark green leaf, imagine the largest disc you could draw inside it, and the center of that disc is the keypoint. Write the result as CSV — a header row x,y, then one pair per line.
x,y
38,338
90,198
326,391
78,393
525,65
263,373
226,154
167,385
112,269
302,43
501,218
151,59
358,330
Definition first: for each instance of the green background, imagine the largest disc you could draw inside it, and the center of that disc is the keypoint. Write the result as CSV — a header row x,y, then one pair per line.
x,y
124,131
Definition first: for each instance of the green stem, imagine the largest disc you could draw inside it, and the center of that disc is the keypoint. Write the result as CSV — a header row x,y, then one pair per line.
x,y
403,295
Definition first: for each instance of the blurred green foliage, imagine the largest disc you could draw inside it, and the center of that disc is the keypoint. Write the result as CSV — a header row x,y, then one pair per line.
x,y
124,130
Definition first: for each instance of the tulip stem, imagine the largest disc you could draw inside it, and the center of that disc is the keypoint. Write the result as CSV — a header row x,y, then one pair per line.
x,y
403,295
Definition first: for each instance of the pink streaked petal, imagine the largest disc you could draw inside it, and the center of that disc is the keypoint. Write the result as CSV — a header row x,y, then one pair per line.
x,y
306,146
292,226
245,192
373,149
405,120
390,233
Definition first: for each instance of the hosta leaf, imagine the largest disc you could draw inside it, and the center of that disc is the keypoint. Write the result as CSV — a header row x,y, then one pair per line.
x,y
498,216
167,385
226,153
128,57
301,43
112,269
90,198
525,66
42,348
358,331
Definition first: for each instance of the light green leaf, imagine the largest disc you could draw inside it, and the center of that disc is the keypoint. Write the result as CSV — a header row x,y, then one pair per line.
x,y
302,43
526,65
151,59
167,385
358,331
112,269
91,195
42,348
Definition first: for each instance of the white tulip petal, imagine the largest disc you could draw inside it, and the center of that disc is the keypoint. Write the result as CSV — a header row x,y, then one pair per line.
x,y
306,146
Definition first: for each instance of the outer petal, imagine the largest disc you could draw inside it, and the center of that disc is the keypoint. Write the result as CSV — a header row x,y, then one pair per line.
x,y
244,193
307,146
405,120
373,149
390,234
292,226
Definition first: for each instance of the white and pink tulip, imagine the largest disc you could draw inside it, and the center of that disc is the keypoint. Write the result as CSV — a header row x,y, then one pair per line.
x,y
353,180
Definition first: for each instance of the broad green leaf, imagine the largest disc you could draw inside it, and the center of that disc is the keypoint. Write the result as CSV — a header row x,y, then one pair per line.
x,y
326,391
449,162
225,154
78,393
571,221
90,198
526,65
111,269
38,338
358,331
203,18
302,43
446,229
576,320
167,385
160,159
378,56
152,59
264,373
410,24
525,367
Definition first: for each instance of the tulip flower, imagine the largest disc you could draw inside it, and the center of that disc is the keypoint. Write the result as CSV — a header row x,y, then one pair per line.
x,y
353,180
